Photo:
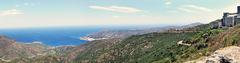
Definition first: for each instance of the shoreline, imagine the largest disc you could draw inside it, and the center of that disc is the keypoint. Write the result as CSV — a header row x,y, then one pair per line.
x,y
87,38
91,39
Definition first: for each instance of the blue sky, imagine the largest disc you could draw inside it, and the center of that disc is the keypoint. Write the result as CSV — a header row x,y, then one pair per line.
x,y
47,13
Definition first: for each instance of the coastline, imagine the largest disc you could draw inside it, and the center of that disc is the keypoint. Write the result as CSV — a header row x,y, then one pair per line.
x,y
87,38
91,39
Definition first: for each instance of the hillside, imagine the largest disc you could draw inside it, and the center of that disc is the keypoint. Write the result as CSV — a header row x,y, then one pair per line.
x,y
12,51
230,37
138,48
144,48
124,33
224,55
164,47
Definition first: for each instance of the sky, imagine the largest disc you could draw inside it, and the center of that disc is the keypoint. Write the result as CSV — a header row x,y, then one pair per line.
x,y
51,13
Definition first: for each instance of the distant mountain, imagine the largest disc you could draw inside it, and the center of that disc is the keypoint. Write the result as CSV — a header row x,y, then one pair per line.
x,y
192,25
108,34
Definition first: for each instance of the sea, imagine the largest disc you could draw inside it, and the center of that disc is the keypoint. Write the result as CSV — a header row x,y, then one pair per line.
x,y
53,36
59,36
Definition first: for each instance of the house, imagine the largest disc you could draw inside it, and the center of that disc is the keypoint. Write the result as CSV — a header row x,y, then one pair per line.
x,y
228,20
216,24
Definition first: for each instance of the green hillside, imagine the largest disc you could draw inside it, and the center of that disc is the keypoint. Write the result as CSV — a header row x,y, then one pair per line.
x,y
149,48
163,47
140,48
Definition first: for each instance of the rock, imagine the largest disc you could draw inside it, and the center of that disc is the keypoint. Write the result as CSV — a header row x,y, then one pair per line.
x,y
181,43
225,55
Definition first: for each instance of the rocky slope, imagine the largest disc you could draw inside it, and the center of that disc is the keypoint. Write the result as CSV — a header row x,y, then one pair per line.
x,y
224,55
230,37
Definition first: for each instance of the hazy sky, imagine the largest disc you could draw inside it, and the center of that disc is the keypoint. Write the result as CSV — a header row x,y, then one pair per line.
x,y
45,13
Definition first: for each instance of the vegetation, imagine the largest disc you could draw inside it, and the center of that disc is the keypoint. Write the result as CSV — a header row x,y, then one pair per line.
x,y
139,49
163,47
150,48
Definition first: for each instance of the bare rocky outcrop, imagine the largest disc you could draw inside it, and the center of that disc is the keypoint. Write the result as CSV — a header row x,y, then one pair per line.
x,y
225,55
182,43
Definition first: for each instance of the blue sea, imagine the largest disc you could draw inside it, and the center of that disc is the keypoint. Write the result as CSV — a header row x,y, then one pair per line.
x,y
55,36
60,36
